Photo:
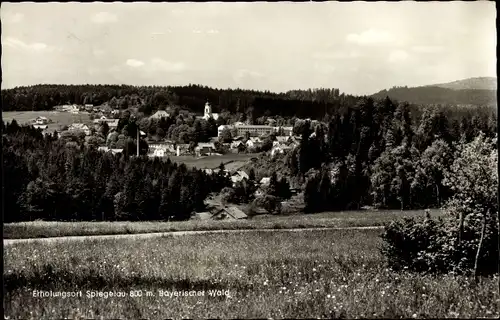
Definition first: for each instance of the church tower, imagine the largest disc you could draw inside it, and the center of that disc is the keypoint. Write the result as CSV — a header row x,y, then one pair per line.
x,y
208,111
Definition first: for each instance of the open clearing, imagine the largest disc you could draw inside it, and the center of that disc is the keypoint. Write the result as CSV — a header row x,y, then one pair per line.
x,y
232,161
43,229
59,119
261,275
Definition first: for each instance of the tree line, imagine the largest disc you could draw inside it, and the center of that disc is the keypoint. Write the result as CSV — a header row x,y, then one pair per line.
x,y
249,104
375,154
53,179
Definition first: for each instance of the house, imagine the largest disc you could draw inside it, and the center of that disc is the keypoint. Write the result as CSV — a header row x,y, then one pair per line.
x,y
265,181
279,149
159,152
237,146
106,149
79,127
252,130
283,139
41,120
270,121
40,126
238,176
228,213
208,171
113,124
254,142
103,119
284,131
209,114
182,149
160,114
167,146
204,148
215,171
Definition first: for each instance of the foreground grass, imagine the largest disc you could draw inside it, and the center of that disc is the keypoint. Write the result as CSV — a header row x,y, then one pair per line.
x,y
296,275
43,229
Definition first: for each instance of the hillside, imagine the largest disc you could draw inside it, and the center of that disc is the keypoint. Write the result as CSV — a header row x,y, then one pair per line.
x,y
479,83
472,91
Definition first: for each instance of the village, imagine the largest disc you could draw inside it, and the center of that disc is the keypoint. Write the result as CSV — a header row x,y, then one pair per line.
x,y
246,139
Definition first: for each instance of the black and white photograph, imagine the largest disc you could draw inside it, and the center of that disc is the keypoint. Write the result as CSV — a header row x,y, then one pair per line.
x,y
250,160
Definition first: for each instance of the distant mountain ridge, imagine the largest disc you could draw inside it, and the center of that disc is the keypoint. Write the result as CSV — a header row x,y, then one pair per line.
x,y
478,83
480,91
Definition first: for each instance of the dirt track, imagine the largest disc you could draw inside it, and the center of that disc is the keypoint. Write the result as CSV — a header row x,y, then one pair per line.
x,y
172,233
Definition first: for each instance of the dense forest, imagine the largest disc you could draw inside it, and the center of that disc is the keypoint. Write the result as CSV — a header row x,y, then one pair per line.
x,y
252,104
54,179
439,95
365,152
379,154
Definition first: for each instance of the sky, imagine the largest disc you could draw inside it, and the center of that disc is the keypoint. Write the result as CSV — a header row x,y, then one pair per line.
x,y
357,47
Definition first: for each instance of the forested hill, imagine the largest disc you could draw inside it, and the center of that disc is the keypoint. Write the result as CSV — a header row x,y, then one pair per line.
x,y
473,91
312,103
479,83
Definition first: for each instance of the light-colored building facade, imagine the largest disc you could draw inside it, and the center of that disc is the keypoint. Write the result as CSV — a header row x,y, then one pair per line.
x,y
160,114
79,127
256,130
208,113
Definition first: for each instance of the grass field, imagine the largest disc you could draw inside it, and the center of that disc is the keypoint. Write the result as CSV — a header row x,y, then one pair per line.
x,y
232,161
59,119
43,229
324,274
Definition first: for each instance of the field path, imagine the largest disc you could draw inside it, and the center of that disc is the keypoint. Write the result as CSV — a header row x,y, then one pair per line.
x,y
7,242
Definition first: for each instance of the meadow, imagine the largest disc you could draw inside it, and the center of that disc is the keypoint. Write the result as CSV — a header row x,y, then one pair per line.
x,y
362,218
59,119
232,161
324,274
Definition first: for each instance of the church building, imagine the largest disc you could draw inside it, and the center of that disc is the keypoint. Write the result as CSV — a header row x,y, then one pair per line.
x,y
208,113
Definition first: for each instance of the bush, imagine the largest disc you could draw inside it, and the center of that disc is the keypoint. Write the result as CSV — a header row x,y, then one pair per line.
x,y
415,243
431,246
269,203
467,240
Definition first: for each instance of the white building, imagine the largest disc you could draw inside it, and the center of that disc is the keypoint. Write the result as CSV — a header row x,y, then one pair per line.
x,y
41,120
80,127
279,149
238,176
103,119
209,114
256,130
160,114
265,181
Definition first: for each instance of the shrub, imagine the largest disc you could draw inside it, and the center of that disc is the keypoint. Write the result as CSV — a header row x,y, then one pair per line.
x,y
270,203
468,239
431,246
